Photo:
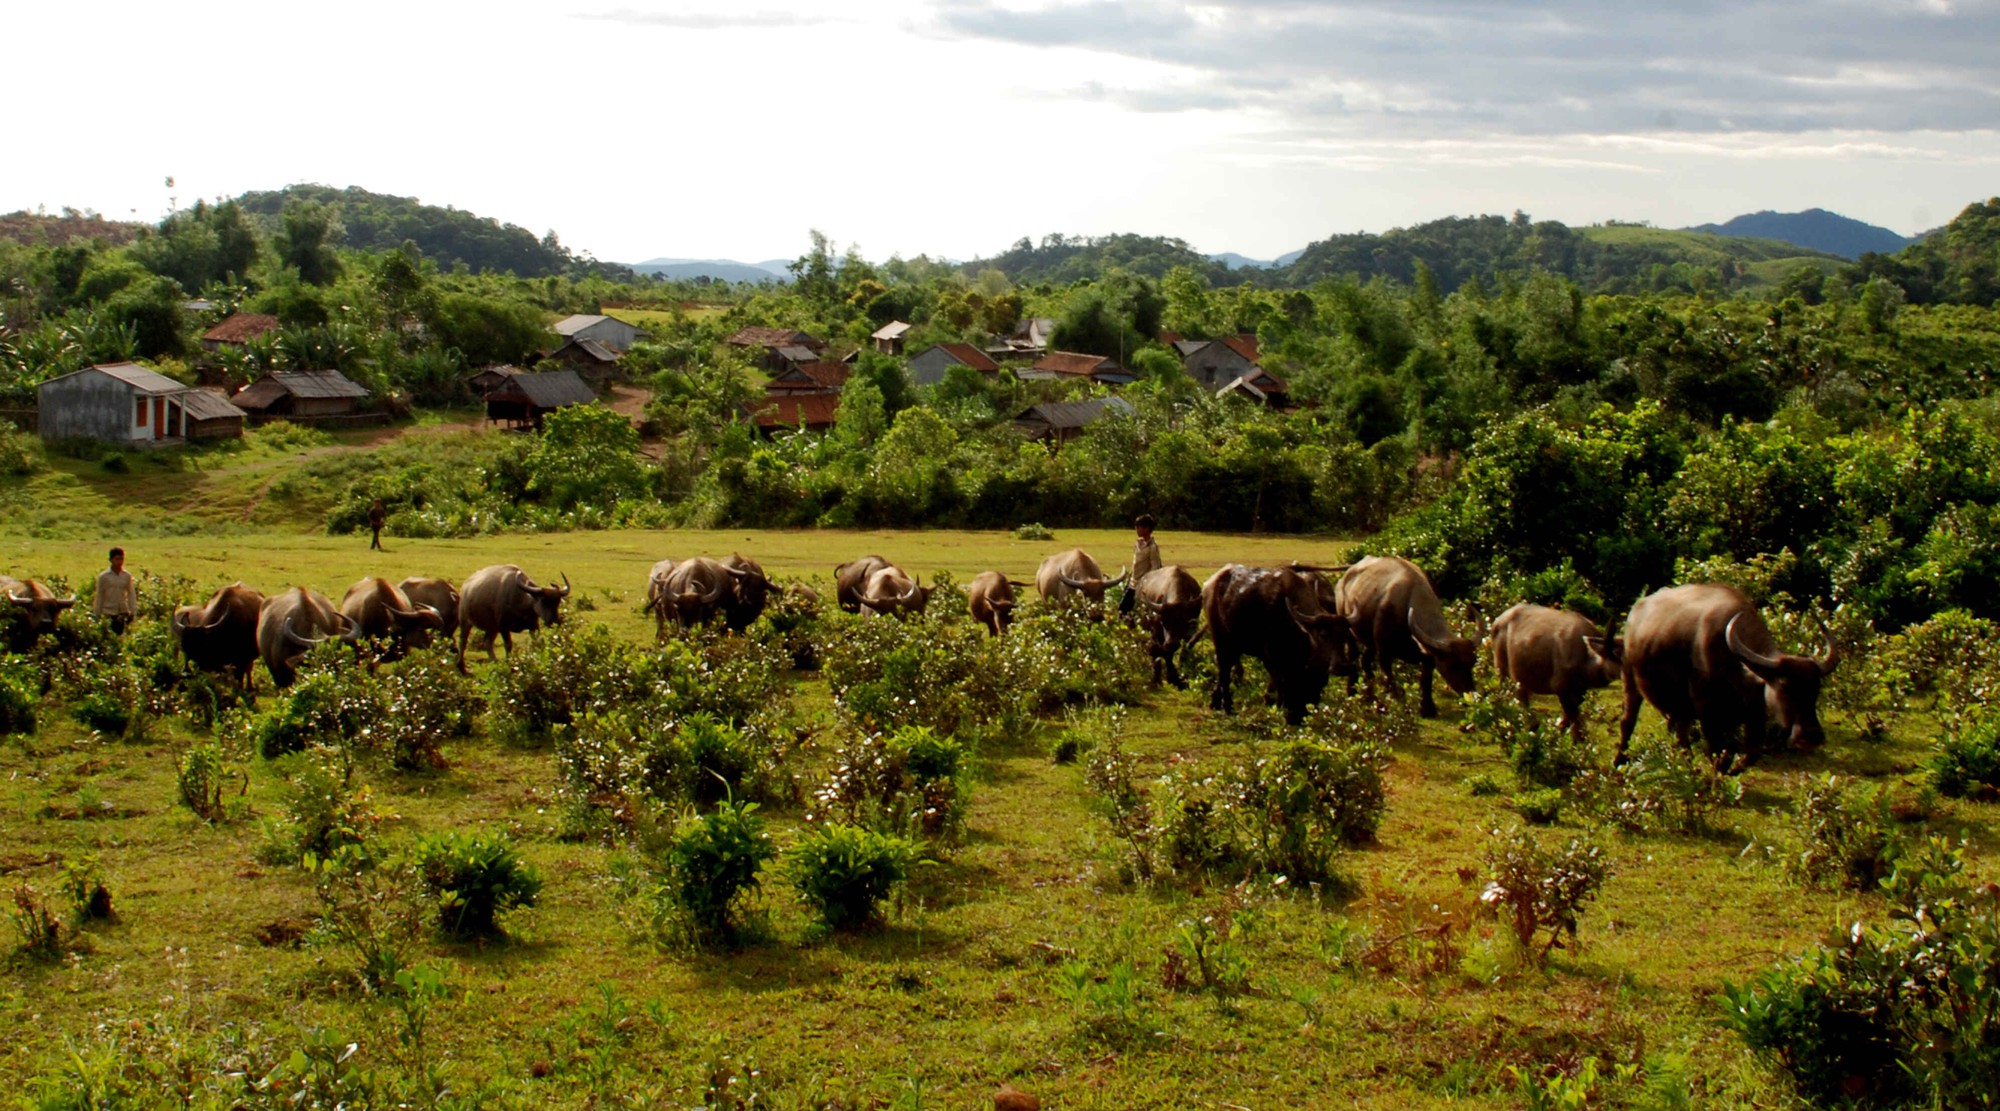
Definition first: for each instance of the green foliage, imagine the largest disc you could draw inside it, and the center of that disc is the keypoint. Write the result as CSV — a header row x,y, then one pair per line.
x,y
913,782
587,453
1540,892
1541,755
844,873
1967,760
327,707
20,690
1661,787
202,774
1301,804
324,812
712,865
1845,834
371,908
41,932
474,878
20,453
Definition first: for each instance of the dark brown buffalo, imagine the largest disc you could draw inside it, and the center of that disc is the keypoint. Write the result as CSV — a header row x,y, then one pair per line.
x,y
502,600
1395,614
889,590
734,587
439,595
1074,572
850,577
1275,615
384,612
1559,652
38,605
659,602
1169,607
1701,653
221,634
990,596
290,624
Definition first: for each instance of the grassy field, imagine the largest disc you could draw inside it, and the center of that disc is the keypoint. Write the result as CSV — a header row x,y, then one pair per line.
x,y
966,987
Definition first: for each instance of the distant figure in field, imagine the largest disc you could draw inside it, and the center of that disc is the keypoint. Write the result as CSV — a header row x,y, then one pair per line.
x,y
1145,557
376,516
117,600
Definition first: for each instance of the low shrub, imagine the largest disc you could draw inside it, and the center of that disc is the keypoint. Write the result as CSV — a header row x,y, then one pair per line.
x,y
1033,531
327,707
20,690
712,865
371,908
83,884
791,623
913,782
1298,807
41,933
1846,836
474,879
324,811
1661,788
1541,755
1123,800
203,776
567,672
1966,763
423,701
845,873
1542,807
1540,892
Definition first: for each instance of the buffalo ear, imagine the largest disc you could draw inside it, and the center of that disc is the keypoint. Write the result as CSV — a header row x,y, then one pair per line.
x,y
63,604
1609,649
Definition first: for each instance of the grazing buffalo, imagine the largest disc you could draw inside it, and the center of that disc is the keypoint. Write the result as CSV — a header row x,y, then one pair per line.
x,y
1274,614
659,602
384,612
221,634
699,589
290,624
1395,615
38,605
502,600
850,577
1169,603
1074,572
990,596
439,595
1702,653
889,590
1559,652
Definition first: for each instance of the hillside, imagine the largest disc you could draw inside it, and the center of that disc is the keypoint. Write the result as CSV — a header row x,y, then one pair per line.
x,y
722,270
39,230
1815,229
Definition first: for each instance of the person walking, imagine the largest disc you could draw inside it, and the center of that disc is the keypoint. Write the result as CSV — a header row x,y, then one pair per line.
x,y
117,598
1145,558
376,516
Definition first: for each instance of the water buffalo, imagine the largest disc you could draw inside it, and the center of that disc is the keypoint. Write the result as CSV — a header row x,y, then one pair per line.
x,y
439,595
38,605
1395,615
850,577
221,634
383,612
1702,653
751,592
1169,604
990,596
889,590
1274,614
659,602
289,624
502,600
699,589
1559,652
1074,572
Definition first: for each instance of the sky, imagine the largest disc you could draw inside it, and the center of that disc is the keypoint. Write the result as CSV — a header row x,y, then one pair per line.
x,y
638,129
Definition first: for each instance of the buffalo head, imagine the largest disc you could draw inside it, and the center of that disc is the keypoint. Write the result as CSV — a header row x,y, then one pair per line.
x,y
1791,685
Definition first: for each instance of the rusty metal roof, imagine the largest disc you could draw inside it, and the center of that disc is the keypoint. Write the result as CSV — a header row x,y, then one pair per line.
x,y
550,389
241,326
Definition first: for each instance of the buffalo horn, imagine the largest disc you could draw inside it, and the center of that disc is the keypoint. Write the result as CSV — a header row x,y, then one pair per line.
x,y
565,586
1315,569
1119,579
350,629
1748,654
292,635
1078,584
1410,620
179,624
21,599
1830,658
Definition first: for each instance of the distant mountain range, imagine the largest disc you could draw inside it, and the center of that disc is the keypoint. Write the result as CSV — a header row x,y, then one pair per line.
x,y
717,269
1815,228
1235,261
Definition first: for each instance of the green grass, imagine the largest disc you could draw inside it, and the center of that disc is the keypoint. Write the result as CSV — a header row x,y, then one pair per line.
x,y
963,988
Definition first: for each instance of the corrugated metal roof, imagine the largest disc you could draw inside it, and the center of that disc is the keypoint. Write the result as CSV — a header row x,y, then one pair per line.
x,y
590,348
241,326
208,405
757,335
970,356
1070,362
571,325
503,370
891,330
550,389
1074,414
817,375
788,410
317,383
795,353
138,377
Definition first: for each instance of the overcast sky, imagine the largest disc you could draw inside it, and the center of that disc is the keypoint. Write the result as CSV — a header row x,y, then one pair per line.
x,y
645,128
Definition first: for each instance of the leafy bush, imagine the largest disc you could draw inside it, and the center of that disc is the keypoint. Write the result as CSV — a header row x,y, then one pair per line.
x,y
475,878
324,811
1540,807
20,689
1033,531
1661,787
328,707
1540,892
83,884
1845,834
1299,806
1541,755
20,453
844,872
912,782
37,926
1124,801
423,700
1967,761
203,774
569,671
712,864
369,907
885,675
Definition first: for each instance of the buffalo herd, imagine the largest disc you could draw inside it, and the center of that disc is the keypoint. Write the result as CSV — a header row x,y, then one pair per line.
x,y
1700,654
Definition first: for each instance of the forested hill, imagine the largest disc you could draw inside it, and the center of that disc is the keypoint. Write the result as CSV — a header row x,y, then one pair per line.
x,y
1959,264
1614,258
1815,228
379,222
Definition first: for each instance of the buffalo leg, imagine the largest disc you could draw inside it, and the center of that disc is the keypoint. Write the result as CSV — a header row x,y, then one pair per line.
x,y
1572,715
1221,697
1633,700
1426,705
506,638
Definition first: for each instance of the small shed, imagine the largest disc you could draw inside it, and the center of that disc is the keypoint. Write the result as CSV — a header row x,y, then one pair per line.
x,y
889,337
238,329
482,381
928,366
125,403
1063,421
596,363
818,377
523,399
607,330
1071,364
778,412
301,394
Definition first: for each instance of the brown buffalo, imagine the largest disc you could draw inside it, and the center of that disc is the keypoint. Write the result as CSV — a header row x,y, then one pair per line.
x,y
1702,653
1169,606
1559,652
290,624
1074,572
1274,614
889,590
502,600
733,587
659,602
383,612
850,577
990,596
38,605
221,634
1395,614
439,595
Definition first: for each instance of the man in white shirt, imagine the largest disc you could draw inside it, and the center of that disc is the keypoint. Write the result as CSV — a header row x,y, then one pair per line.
x,y
1145,557
117,599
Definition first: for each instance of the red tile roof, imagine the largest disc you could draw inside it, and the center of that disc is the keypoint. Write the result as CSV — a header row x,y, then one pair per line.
x,y
759,336
241,326
1244,345
1069,362
971,356
787,410
820,376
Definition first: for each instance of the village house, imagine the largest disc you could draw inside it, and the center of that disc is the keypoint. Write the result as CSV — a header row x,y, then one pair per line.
x,y
301,395
1229,365
814,377
482,381
124,403
779,412
522,399
1029,339
1070,364
765,344
927,367
889,337
238,329
1063,421
596,363
607,330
